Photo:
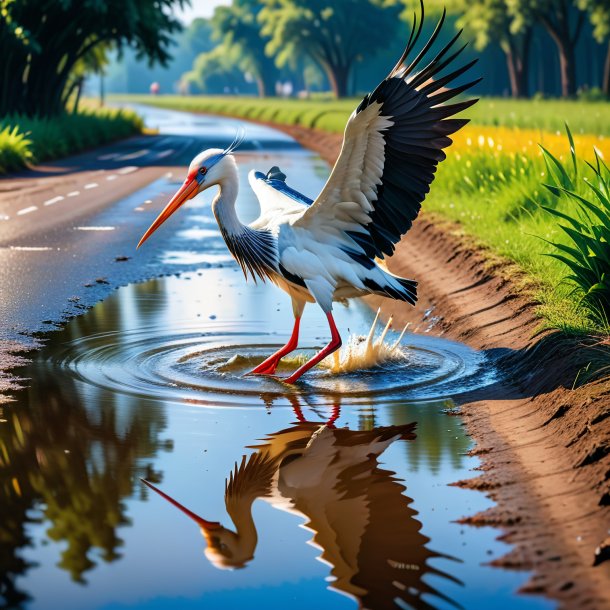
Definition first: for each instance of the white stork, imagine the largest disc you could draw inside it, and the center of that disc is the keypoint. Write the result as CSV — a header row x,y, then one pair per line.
x,y
325,250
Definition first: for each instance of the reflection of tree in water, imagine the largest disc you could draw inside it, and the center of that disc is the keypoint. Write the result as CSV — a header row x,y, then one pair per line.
x,y
358,512
70,459
439,437
144,302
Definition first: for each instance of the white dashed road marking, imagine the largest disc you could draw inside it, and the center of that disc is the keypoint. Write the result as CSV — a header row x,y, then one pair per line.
x,y
74,194
94,228
32,208
111,177
134,155
127,170
165,153
54,200
91,185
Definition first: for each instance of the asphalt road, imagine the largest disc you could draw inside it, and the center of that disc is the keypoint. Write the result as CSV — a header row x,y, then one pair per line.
x,y
68,229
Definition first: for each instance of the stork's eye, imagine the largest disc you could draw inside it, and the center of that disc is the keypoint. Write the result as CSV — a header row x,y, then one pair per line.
x,y
203,170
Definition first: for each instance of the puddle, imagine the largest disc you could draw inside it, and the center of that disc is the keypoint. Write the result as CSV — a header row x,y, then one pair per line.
x,y
333,494
342,498
205,360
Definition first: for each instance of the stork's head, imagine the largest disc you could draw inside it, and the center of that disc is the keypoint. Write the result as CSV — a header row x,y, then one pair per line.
x,y
210,167
225,549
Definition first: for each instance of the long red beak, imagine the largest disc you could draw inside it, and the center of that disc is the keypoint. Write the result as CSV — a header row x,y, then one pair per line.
x,y
206,525
187,191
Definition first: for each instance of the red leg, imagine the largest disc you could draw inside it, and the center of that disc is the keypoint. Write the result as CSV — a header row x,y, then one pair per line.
x,y
334,344
336,413
268,366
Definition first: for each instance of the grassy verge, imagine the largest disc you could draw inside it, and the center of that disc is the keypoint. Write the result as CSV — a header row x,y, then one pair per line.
x,y
25,140
331,115
491,184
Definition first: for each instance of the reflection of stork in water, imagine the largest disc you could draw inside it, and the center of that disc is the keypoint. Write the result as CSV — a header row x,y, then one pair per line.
x,y
327,250
360,517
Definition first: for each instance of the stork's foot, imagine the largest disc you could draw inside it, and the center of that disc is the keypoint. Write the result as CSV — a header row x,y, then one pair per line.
x,y
268,366
334,344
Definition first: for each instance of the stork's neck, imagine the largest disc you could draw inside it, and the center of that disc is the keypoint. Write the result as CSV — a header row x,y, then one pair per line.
x,y
254,249
223,205
241,515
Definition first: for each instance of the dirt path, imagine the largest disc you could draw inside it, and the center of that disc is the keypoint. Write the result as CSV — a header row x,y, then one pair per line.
x,y
545,447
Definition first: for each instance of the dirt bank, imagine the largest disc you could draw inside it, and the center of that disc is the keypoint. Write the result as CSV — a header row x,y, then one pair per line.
x,y
545,447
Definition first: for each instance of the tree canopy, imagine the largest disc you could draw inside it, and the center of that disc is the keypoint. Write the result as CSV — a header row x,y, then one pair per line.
x,y
334,34
41,41
489,22
240,29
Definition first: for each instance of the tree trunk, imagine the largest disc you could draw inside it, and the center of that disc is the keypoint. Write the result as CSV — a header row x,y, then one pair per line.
x,y
517,62
79,90
606,80
512,73
567,67
260,87
566,46
338,78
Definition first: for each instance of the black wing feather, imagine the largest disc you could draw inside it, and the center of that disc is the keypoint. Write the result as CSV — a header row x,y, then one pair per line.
x,y
414,143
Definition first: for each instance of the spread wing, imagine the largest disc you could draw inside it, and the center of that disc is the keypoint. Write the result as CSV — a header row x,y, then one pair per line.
x,y
392,145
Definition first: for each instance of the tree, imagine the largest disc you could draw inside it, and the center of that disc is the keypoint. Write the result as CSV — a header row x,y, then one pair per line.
x,y
215,71
489,22
41,42
563,20
240,30
599,14
93,62
333,33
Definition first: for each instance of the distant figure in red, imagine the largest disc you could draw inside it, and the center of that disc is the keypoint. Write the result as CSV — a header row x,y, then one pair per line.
x,y
154,88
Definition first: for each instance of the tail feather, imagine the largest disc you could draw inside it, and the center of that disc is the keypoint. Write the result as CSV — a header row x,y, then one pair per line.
x,y
395,287
410,287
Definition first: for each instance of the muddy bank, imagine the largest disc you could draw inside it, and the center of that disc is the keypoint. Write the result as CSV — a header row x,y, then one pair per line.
x,y
545,446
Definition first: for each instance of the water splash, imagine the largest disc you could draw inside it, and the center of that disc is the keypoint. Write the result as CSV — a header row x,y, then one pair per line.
x,y
362,353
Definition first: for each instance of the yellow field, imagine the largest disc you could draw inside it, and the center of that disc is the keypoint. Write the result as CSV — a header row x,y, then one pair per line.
x,y
475,139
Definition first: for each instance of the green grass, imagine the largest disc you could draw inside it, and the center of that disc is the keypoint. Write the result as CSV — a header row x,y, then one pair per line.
x,y
331,115
501,202
25,140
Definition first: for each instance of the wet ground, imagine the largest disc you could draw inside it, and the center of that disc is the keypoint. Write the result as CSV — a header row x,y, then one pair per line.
x,y
331,494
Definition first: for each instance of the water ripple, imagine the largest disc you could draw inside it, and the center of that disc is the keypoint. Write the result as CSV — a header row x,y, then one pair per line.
x,y
206,365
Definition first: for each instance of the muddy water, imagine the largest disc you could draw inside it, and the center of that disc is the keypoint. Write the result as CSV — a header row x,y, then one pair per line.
x,y
332,494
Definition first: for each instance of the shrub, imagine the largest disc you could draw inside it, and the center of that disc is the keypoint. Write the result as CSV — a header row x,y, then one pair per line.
x,y
588,228
15,149
24,139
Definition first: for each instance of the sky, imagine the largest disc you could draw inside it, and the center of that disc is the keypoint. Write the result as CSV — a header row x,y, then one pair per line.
x,y
199,8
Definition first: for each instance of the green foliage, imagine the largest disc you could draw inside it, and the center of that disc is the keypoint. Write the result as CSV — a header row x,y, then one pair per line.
x,y
41,43
15,149
24,140
587,256
599,15
332,34
238,26
215,70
